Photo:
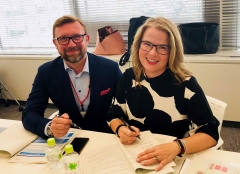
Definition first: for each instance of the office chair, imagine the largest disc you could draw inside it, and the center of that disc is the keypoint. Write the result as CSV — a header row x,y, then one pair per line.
x,y
3,87
218,108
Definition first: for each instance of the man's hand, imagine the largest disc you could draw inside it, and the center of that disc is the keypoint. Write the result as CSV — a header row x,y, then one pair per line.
x,y
60,125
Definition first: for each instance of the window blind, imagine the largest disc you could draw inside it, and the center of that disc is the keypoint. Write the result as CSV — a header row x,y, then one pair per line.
x,y
98,13
230,24
28,24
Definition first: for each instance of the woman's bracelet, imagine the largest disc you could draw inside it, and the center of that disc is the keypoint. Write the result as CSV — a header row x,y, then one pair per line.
x,y
182,145
117,129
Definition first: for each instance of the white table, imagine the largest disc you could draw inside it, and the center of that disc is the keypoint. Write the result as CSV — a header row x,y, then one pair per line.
x,y
96,139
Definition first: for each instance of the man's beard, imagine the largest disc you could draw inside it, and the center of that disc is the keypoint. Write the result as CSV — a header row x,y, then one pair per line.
x,y
74,58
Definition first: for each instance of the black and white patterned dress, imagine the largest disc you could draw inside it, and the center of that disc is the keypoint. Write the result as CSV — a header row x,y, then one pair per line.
x,y
163,107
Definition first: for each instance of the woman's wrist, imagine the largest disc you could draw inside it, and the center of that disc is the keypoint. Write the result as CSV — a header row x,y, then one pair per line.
x,y
117,129
182,145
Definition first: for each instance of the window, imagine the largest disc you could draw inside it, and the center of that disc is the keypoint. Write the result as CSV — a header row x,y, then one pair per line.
x,y
230,24
98,13
28,24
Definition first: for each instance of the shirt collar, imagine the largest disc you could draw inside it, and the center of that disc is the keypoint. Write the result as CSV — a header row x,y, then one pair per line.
x,y
85,68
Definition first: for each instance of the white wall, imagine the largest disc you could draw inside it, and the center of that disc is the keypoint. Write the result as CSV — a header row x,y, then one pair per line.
x,y
221,81
17,74
218,75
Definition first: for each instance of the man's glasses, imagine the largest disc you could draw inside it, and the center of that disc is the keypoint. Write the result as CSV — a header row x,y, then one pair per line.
x,y
161,49
65,40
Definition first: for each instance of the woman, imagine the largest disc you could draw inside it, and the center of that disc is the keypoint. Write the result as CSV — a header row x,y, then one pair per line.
x,y
159,94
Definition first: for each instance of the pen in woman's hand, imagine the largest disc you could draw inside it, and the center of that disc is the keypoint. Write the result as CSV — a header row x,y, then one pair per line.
x,y
129,127
74,125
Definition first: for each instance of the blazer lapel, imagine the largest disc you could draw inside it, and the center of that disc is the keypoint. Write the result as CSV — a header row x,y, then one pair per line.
x,y
95,77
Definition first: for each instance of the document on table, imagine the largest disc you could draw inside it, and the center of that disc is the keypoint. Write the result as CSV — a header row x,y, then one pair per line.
x,y
13,139
35,152
2,129
116,158
200,165
164,138
38,146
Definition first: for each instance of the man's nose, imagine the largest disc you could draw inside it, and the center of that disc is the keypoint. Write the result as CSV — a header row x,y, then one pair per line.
x,y
71,42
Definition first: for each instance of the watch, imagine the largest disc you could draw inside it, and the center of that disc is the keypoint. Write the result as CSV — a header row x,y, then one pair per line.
x,y
49,131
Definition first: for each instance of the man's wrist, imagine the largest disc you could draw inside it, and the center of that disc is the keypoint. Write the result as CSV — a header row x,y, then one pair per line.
x,y
49,130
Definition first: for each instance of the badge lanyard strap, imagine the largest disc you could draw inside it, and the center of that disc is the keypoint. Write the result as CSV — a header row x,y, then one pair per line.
x,y
81,102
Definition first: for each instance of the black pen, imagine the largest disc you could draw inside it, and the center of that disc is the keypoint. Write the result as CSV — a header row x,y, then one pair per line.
x,y
129,127
74,125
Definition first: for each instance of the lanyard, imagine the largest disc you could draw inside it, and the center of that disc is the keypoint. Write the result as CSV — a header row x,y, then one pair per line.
x,y
81,102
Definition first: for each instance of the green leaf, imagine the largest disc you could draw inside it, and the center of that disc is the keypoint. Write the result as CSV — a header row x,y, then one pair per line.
x,y
72,166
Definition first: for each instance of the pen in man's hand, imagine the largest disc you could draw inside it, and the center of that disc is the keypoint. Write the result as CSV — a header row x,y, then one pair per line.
x,y
129,127
74,125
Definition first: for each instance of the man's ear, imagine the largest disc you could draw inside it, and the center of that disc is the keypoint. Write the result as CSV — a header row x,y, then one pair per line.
x,y
54,42
87,38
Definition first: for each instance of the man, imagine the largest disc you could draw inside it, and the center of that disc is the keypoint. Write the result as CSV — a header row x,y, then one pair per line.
x,y
80,84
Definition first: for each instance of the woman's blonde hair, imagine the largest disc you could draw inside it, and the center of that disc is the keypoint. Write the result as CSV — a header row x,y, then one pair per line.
x,y
65,20
176,54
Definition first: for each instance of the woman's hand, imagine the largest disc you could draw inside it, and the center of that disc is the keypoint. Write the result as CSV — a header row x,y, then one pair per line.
x,y
127,136
162,154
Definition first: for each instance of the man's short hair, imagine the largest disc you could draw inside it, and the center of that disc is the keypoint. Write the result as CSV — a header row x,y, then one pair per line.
x,y
65,20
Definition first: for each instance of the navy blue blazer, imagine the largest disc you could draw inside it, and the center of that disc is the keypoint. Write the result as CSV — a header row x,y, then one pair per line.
x,y
52,81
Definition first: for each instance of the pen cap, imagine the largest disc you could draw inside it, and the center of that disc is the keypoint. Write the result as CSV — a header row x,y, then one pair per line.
x,y
68,148
51,142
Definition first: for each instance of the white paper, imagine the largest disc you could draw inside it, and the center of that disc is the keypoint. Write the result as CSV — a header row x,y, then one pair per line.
x,y
37,147
131,151
106,159
201,165
112,159
35,152
13,139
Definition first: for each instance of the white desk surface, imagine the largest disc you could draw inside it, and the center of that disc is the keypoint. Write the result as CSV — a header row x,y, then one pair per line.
x,y
96,139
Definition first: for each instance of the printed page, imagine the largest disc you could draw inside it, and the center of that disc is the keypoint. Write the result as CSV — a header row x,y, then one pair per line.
x,y
184,167
201,165
38,146
164,138
108,159
147,141
35,152
13,139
